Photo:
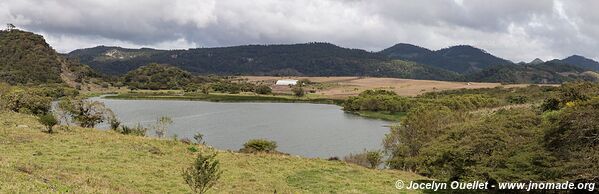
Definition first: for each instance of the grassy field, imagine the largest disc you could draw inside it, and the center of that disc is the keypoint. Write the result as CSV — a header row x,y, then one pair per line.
x,y
343,87
93,161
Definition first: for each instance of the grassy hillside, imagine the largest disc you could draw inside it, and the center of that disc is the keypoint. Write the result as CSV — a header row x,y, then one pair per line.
x,y
92,161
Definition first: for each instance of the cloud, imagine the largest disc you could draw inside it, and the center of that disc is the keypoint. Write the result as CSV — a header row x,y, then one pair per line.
x,y
513,29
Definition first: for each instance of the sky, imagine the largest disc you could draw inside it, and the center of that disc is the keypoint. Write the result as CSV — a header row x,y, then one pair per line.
x,y
518,30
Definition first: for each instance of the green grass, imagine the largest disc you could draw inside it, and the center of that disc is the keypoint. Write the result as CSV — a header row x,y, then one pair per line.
x,y
92,161
218,97
396,117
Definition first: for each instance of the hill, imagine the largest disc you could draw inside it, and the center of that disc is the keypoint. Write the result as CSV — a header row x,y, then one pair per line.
x,y
26,58
157,76
582,62
93,161
547,72
460,59
311,59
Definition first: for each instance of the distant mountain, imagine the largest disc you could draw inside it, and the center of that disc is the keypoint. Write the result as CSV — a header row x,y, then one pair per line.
x,y
548,72
582,62
460,59
311,59
26,58
536,61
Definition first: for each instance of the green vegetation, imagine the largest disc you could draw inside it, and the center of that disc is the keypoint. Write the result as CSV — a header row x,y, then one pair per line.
x,y
220,97
26,59
85,112
157,76
548,72
390,106
82,160
259,145
203,174
49,121
514,143
314,59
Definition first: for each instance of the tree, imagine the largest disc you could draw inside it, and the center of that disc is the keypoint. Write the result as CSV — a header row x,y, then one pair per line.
x,y
263,89
298,91
161,126
10,27
48,120
85,112
375,158
203,174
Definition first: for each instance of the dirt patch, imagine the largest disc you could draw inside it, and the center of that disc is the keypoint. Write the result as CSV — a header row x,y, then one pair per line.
x,y
343,87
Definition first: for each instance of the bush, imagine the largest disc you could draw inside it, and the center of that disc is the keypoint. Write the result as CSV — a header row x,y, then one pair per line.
x,y
203,174
298,91
199,137
138,130
259,145
26,102
263,89
374,158
48,120
161,126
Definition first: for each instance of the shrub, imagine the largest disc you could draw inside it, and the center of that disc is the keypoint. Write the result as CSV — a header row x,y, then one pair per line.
x,y
161,126
26,102
138,130
374,158
259,145
298,91
517,99
203,174
48,120
192,149
263,89
199,137
359,159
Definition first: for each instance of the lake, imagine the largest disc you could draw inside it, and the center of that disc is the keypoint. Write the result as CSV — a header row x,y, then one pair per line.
x,y
310,130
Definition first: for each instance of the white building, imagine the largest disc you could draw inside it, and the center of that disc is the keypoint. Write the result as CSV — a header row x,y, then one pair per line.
x,y
286,82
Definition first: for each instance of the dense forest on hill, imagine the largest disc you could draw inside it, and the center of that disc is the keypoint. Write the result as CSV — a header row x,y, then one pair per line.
x,y
461,59
25,58
312,59
457,63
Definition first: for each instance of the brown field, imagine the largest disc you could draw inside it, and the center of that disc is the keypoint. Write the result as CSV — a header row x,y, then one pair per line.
x,y
343,87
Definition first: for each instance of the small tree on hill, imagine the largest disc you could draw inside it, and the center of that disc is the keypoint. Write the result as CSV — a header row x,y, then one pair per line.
x,y
203,174
375,158
48,120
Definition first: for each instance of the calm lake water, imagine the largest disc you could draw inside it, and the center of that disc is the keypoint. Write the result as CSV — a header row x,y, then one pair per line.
x,y
310,130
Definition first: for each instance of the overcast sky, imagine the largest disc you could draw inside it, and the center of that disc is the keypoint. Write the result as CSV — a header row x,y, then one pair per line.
x,y
518,30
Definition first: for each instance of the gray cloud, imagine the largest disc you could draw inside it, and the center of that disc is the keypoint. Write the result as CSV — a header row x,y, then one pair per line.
x,y
513,29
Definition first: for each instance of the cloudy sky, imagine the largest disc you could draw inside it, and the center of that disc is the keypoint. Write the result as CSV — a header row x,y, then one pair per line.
x,y
519,30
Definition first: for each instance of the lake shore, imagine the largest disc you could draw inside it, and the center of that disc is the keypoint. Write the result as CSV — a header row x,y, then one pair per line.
x,y
219,97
